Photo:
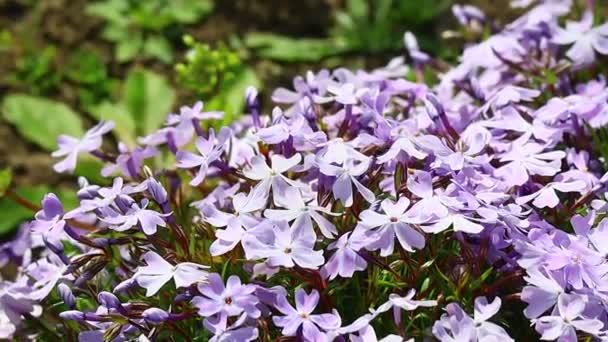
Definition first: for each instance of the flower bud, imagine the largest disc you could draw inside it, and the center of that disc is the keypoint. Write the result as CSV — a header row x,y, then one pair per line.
x,y
125,286
65,293
158,192
73,315
155,315
110,301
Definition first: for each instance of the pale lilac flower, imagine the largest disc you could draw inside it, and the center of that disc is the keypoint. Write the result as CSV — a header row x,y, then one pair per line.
x,y
70,147
367,334
49,221
345,94
236,331
181,127
346,259
158,272
231,300
395,221
128,162
301,317
541,294
148,220
208,153
283,246
272,178
568,318
454,159
528,159
458,222
546,196
457,326
346,176
407,303
313,86
586,40
303,214
236,224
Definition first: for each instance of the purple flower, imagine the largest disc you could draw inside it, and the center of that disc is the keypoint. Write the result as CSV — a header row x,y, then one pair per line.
x,y
546,197
128,162
569,318
236,331
586,39
272,178
456,325
346,260
236,224
346,176
70,147
158,272
49,221
284,246
231,300
301,317
149,220
541,293
181,127
395,221
528,159
303,215
208,153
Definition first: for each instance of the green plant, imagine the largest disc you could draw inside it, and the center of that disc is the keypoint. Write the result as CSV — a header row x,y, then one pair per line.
x,y
91,75
146,27
218,74
362,27
35,71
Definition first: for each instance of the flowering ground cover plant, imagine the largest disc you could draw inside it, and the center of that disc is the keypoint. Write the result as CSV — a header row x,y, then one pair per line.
x,y
368,205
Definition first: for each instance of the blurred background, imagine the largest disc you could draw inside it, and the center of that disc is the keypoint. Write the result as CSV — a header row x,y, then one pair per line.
x,y
65,64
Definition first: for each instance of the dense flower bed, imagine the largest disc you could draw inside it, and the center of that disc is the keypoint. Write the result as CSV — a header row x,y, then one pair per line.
x,y
364,205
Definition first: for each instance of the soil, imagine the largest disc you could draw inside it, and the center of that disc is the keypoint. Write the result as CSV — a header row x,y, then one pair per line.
x,y
63,24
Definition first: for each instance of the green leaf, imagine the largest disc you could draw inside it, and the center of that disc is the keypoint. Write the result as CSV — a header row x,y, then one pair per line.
x,y
231,97
41,120
189,11
12,214
124,127
6,176
149,98
288,49
128,48
158,47
90,168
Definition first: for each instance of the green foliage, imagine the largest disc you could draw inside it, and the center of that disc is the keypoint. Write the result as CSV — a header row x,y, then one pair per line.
x,y
144,27
89,72
36,72
218,75
6,176
147,99
231,96
41,120
274,46
205,70
363,27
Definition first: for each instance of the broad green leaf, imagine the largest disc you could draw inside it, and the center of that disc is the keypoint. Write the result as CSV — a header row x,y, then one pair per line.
x,y
128,48
6,176
41,120
231,97
149,98
158,47
288,49
189,11
124,127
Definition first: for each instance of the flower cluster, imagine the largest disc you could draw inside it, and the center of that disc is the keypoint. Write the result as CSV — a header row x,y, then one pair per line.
x,y
361,193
